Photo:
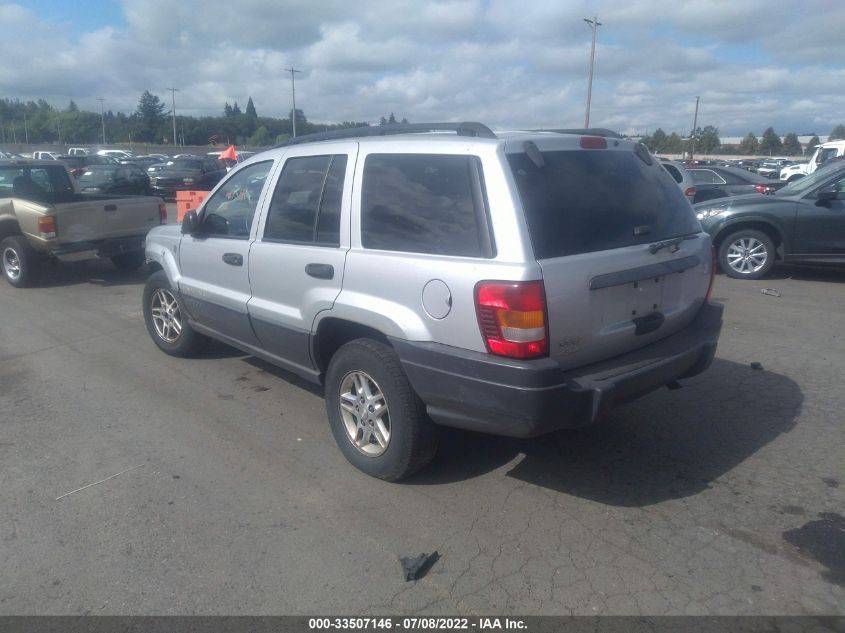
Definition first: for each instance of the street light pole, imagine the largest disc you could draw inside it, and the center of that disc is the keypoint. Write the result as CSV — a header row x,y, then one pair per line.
x,y
173,92
102,117
293,72
594,23
694,128
25,130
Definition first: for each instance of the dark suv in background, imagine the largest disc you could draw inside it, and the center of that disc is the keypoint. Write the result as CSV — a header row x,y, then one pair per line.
x,y
187,174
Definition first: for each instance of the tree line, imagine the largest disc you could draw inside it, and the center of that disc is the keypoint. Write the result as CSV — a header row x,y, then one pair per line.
x,y
151,122
707,142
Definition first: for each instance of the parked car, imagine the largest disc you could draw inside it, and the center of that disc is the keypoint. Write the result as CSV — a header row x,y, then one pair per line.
x,y
115,153
115,179
80,163
511,284
141,161
804,221
681,176
79,151
770,168
187,174
42,155
823,153
719,182
44,215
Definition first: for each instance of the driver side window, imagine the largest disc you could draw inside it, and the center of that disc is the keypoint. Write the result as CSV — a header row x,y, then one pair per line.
x,y
231,210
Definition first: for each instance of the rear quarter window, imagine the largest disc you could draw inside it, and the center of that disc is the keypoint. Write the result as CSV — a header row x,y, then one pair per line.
x,y
592,200
425,203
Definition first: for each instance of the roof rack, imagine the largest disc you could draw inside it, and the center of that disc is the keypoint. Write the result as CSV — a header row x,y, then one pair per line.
x,y
588,131
466,128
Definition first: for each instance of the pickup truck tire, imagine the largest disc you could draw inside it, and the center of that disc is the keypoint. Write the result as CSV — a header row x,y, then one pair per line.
x,y
166,319
365,377
747,254
128,261
20,263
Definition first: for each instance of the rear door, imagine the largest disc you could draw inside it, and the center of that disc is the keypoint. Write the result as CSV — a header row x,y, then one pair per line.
x,y
213,261
296,265
596,217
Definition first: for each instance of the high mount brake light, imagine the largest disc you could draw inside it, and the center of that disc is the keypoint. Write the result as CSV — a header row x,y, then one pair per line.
x,y
593,142
512,317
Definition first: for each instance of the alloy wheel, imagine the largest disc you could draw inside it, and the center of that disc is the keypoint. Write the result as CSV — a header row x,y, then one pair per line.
x,y
11,263
167,318
365,415
747,255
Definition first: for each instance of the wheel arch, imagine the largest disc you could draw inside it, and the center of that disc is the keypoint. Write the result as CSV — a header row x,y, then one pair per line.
x,y
332,332
755,224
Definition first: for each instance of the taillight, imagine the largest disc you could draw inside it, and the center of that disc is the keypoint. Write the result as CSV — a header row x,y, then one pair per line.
x,y
47,227
690,192
162,213
712,272
593,142
762,188
512,317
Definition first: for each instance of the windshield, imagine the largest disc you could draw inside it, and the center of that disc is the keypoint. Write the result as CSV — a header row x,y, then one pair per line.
x,y
182,164
97,175
802,185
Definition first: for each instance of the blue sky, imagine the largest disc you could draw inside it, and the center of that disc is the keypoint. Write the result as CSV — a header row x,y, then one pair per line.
x,y
507,63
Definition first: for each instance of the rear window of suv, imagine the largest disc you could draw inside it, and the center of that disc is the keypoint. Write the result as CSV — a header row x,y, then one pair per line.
x,y
425,203
593,200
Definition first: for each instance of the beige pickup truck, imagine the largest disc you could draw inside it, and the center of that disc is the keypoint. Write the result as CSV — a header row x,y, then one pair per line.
x,y
43,215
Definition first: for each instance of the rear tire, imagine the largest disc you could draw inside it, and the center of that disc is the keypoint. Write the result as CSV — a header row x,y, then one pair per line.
x,y
365,378
747,254
128,261
20,262
166,319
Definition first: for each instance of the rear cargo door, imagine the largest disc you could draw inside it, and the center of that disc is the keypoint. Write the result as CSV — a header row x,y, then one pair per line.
x,y
624,260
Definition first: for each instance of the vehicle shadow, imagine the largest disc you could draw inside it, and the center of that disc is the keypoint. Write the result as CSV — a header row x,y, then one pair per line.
x,y
670,444
830,274
96,272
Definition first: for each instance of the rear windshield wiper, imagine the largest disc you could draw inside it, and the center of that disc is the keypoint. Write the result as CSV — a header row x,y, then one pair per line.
x,y
674,242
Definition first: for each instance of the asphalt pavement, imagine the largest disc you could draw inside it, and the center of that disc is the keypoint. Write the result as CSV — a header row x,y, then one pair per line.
x,y
136,483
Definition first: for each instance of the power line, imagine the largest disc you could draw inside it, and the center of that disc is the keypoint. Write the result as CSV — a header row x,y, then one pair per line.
x,y
293,72
594,24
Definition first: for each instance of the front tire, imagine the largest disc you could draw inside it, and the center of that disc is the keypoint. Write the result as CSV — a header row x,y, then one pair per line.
x,y
166,319
747,254
20,263
377,419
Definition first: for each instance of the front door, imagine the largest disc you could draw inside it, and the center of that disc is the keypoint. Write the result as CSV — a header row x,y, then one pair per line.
x,y
214,260
820,226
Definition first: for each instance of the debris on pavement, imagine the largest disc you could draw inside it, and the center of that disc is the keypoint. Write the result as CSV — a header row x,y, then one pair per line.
x,y
757,366
771,292
98,482
417,567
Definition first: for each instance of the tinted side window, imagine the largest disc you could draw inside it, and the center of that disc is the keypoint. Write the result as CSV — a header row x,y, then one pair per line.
x,y
673,171
706,177
293,211
328,222
424,203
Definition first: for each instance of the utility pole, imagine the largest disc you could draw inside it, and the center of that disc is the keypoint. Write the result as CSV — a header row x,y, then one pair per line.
x,y
293,72
173,92
594,23
102,117
694,128
25,131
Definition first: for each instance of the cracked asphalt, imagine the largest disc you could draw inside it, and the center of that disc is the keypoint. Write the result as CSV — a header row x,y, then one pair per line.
x,y
724,497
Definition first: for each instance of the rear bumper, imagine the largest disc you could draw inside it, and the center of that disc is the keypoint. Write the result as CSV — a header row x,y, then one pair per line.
x,y
481,392
79,251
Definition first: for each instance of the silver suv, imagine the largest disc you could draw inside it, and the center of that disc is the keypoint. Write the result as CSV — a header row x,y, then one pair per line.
x,y
429,275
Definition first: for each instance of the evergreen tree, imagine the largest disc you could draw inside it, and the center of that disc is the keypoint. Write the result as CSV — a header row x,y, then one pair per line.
x,y
674,144
391,120
250,109
837,133
750,144
227,110
707,140
656,141
72,107
149,117
235,109
770,143
791,145
812,143
382,121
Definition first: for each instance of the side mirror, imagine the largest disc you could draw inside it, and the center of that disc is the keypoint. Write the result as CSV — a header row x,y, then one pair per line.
x,y
826,194
190,223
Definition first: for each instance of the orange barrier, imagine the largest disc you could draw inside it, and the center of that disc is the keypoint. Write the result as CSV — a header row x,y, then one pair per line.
x,y
188,200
